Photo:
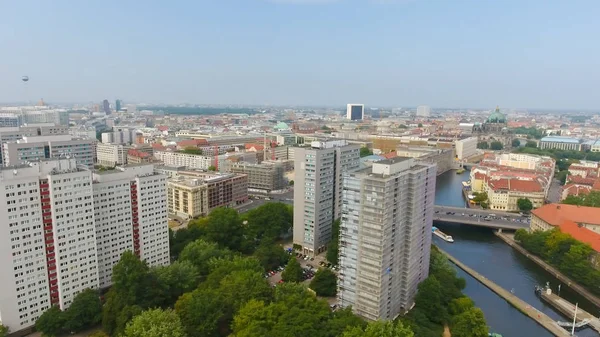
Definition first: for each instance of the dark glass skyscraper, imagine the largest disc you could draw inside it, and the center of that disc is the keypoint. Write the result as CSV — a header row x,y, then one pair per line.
x,y
106,107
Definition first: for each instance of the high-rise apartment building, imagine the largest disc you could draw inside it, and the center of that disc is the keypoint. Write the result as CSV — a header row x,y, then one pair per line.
x,y
13,134
130,205
423,111
267,176
355,112
65,228
385,236
48,241
119,136
318,190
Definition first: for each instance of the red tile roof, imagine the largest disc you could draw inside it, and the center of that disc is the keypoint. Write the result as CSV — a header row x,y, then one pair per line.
x,y
390,155
581,233
555,214
576,189
516,185
192,143
158,146
137,153
581,180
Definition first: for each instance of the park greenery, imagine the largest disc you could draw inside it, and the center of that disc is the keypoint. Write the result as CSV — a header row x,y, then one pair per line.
x,y
481,198
192,150
524,204
483,145
591,199
568,255
332,254
559,154
216,286
494,145
515,142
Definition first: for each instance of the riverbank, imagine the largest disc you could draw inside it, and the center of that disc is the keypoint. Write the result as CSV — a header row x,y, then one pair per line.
x,y
539,317
509,240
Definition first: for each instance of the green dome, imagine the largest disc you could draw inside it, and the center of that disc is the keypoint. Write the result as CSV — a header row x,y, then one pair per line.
x,y
497,117
282,126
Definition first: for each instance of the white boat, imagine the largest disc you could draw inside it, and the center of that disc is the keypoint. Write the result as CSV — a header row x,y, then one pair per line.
x,y
441,235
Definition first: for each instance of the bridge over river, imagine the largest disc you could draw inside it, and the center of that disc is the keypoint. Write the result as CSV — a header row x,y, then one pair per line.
x,y
480,217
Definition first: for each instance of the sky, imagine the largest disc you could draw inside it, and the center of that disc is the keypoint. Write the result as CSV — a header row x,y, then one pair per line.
x,y
442,53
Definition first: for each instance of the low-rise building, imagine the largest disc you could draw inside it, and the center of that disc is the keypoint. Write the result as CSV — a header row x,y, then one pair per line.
x,y
35,148
139,157
193,161
465,148
196,193
443,158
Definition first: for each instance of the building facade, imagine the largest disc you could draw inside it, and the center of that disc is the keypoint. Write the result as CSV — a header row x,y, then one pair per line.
x,y
52,146
560,143
170,158
385,236
465,148
318,190
120,136
355,112
130,205
267,176
111,154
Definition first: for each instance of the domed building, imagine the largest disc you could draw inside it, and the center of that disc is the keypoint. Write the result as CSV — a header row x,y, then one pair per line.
x,y
496,122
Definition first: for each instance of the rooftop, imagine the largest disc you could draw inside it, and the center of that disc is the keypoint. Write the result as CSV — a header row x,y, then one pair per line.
x,y
581,233
393,160
556,214
561,139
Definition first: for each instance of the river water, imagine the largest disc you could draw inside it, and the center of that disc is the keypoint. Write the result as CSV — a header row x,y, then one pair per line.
x,y
481,250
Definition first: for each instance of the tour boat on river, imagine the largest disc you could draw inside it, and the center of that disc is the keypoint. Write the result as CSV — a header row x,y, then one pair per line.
x,y
442,235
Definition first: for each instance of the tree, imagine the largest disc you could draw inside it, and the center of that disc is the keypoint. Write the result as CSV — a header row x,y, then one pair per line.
x,y
179,239
174,280
97,333
292,272
562,176
591,199
129,278
241,286
341,320
212,168
480,197
192,150
291,183
3,331
365,151
380,329
524,204
515,142
85,311
531,143
332,254
155,323
51,322
496,145
483,145
324,283
420,125
220,268
429,299
271,255
459,305
224,227
470,323
202,312
200,252
269,221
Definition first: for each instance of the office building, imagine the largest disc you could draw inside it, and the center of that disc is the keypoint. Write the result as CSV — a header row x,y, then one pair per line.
x,y
106,107
187,198
193,161
118,105
465,148
443,158
385,236
44,147
119,136
318,190
111,155
355,112
267,176
48,242
561,143
130,213
9,120
423,111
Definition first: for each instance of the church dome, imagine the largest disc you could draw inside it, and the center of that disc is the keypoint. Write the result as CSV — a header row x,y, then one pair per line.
x,y
497,117
281,126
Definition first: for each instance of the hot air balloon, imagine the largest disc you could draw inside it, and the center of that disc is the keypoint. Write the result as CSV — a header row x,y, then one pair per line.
x,y
25,78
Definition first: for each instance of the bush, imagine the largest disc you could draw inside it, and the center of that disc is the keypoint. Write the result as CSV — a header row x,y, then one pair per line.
x,y
324,283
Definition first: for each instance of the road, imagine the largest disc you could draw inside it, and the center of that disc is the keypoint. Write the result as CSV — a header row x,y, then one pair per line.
x,y
287,198
479,217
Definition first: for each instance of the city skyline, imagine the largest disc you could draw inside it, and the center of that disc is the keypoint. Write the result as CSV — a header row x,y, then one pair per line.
x,y
380,53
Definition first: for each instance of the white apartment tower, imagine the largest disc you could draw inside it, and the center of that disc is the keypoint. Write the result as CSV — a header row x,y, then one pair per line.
x,y
130,205
47,242
110,155
318,190
385,236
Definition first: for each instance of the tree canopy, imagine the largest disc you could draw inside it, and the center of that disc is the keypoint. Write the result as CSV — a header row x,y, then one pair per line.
x,y
470,323
380,329
292,272
155,323
515,142
524,204
332,254
591,199
365,151
51,322
324,283
483,145
496,145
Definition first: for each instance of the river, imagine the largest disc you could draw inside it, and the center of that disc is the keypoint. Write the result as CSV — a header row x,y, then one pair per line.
x,y
481,250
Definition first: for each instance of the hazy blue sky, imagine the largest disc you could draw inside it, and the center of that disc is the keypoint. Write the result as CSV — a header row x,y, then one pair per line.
x,y
445,53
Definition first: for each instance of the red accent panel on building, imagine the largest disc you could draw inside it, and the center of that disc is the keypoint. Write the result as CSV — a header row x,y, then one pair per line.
x,y
49,241
135,219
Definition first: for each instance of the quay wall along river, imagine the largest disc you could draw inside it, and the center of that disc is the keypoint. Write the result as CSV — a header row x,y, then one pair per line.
x,y
481,250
